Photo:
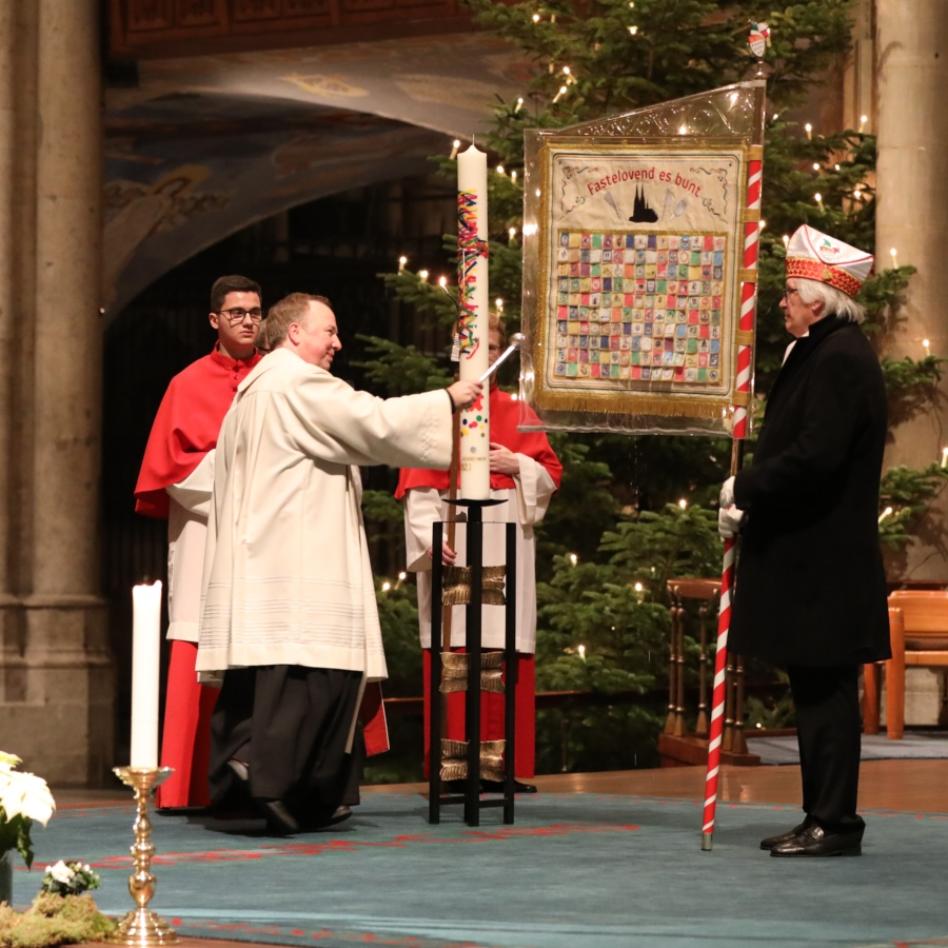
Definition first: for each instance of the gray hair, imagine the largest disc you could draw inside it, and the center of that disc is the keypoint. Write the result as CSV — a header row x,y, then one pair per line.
x,y
835,302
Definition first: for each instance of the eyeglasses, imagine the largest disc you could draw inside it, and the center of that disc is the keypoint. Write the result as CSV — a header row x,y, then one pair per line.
x,y
787,292
238,314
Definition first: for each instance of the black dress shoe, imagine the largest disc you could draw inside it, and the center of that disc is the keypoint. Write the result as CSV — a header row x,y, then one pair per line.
x,y
816,841
497,786
280,821
772,841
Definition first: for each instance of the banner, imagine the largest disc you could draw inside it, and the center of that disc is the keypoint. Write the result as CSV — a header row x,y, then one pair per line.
x,y
636,266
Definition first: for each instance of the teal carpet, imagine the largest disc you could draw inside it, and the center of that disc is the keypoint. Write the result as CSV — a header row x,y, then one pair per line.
x,y
575,870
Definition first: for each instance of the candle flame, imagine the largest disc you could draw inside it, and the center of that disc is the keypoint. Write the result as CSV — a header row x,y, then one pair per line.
x,y
885,513
581,650
808,128
455,145
422,275
402,263
633,31
573,558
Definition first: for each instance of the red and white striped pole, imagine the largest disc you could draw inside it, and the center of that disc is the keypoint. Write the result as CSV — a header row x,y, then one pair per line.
x,y
745,338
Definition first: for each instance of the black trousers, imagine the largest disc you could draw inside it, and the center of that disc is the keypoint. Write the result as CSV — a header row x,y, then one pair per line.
x,y
290,724
829,730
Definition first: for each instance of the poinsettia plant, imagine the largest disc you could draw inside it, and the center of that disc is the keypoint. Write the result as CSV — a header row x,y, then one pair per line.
x,y
24,798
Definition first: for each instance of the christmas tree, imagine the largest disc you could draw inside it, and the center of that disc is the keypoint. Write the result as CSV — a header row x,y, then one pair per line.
x,y
634,511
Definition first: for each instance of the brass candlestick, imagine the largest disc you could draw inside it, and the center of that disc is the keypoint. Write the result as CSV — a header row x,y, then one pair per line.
x,y
141,926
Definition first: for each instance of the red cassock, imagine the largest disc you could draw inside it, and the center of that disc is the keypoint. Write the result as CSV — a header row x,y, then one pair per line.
x,y
185,429
526,506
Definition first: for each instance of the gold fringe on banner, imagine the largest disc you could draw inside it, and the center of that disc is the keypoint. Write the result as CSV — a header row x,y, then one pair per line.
x,y
632,403
457,585
454,672
454,760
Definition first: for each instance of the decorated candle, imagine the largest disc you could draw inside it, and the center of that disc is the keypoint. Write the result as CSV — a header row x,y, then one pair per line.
x,y
473,319
146,645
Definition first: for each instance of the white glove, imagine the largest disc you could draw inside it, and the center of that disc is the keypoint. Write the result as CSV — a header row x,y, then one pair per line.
x,y
726,498
729,521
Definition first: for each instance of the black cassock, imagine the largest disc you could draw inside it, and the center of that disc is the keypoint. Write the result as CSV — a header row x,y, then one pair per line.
x,y
811,590
291,725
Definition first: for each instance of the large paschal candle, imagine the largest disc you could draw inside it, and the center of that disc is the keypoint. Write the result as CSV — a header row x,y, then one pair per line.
x,y
473,319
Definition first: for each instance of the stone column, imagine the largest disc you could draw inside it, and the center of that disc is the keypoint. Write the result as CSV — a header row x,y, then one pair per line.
x,y
56,698
912,181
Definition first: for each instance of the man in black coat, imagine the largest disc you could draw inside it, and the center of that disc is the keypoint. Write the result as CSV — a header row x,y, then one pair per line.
x,y
811,592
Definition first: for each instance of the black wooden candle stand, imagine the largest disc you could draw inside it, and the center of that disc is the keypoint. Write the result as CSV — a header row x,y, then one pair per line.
x,y
471,798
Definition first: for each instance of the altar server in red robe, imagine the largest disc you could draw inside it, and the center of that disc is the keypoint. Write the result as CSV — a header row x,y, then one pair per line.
x,y
175,482
525,472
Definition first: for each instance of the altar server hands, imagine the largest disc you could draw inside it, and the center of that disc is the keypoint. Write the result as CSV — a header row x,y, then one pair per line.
x,y
503,460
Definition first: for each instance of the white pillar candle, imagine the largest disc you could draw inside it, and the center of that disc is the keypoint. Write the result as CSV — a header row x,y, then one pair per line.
x,y
146,650
474,320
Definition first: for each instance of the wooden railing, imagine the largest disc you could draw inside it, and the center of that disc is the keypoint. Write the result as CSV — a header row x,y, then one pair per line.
x,y
169,28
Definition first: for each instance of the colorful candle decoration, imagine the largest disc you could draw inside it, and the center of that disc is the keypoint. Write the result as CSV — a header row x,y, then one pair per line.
x,y
473,319
146,647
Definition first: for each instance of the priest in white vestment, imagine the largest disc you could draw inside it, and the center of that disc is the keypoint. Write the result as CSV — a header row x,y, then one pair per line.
x,y
289,614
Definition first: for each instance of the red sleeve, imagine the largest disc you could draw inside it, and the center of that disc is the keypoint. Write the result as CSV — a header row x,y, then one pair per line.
x,y
505,418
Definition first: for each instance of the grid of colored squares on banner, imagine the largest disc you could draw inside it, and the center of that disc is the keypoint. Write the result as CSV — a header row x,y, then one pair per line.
x,y
639,306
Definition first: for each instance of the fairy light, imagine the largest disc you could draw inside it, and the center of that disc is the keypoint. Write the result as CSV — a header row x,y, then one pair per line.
x,y
455,145
581,651
386,586
816,166
885,513
862,121
402,576
559,95
639,589
683,504
402,263
894,254
808,128
519,104
513,175
573,559
511,234
535,18
927,346
443,283
786,241
500,170
423,275
819,199
633,31
499,304
763,225
836,167
857,194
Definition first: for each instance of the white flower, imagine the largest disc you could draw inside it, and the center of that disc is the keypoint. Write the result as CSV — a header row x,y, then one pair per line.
x,y
8,761
25,794
61,873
